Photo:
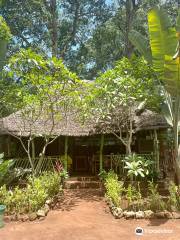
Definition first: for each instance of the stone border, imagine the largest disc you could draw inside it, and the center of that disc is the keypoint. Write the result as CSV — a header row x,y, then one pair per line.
x,y
118,213
40,215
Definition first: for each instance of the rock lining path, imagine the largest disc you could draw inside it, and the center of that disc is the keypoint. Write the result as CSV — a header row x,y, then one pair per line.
x,y
84,216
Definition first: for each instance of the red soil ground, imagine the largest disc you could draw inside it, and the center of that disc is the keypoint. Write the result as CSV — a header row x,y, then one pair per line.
x,y
85,216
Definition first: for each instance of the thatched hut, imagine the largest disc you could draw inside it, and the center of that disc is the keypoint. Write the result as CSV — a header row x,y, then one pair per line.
x,y
84,141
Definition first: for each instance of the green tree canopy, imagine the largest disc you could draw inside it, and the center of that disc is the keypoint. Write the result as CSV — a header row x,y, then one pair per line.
x,y
45,92
117,94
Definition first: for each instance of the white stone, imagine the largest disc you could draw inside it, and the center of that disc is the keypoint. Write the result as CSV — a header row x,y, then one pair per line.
x,y
129,214
117,212
139,214
48,202
148,214
41,213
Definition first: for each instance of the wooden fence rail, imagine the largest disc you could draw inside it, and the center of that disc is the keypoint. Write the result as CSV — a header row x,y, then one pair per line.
x,y
48,164
111,161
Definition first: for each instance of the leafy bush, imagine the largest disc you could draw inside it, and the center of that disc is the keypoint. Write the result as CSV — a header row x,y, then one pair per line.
x,y
33,197
103,175
134,197
64,175
9,174
5,33
155,201
137,166
114,188
4,168
174,198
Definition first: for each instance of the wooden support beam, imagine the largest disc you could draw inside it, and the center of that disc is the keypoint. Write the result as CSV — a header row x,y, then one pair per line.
x,y
66,153
33,149
101,153
156,150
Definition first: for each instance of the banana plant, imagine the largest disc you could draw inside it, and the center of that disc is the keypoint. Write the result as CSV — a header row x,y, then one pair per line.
x,y
164,54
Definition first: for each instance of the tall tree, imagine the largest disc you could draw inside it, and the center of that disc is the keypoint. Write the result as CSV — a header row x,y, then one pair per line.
x,y
116,95
5,36
165,55
94,32
52,26
46,93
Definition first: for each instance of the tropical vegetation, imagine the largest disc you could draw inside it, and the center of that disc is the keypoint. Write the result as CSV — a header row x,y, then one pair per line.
x,y
164,55
96,40
33,197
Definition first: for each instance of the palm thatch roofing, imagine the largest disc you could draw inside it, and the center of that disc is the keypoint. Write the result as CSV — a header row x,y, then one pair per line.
x,y
70,125
150,120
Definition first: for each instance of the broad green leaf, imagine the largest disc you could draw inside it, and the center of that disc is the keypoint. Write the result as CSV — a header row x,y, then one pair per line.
x,y
172,75
156,40
142,45
178,22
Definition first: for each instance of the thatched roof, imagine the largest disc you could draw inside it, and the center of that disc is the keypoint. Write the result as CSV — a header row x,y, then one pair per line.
x,y
150,120
65,126
70,125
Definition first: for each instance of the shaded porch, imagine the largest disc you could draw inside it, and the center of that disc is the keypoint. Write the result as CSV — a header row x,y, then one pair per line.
x,y
91,154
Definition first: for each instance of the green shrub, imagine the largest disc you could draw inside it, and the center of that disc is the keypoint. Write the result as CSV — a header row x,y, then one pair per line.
x,y
134,197
15,201
114,188
5,33
137,166
48,181
4,169
155,201
174,198
64,175
33,197
103,175
10,175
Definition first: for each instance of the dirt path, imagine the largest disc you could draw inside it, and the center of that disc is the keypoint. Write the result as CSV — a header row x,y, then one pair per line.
x,y
84,217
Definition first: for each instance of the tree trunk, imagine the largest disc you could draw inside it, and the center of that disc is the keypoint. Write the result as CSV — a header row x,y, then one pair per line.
x,y
130,10
128,149
31,163
54,27
38,167
156,150
66,153
101,153
176,142
33,149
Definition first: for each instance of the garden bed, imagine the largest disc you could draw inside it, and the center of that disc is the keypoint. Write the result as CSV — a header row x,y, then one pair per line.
x,y
119,212
128,201
40,214
34,201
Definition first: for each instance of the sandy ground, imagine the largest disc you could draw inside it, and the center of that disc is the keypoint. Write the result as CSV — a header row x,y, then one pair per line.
x,y
85,217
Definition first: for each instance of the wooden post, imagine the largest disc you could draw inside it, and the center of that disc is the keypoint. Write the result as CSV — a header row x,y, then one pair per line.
x,y
33,150
156,150
101,153
66,153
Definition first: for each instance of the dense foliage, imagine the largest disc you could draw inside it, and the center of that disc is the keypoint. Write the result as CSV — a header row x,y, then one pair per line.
x,y
5,33
45,91
131,197
34,196
114,188
119,94
95,33
138,166
163,54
